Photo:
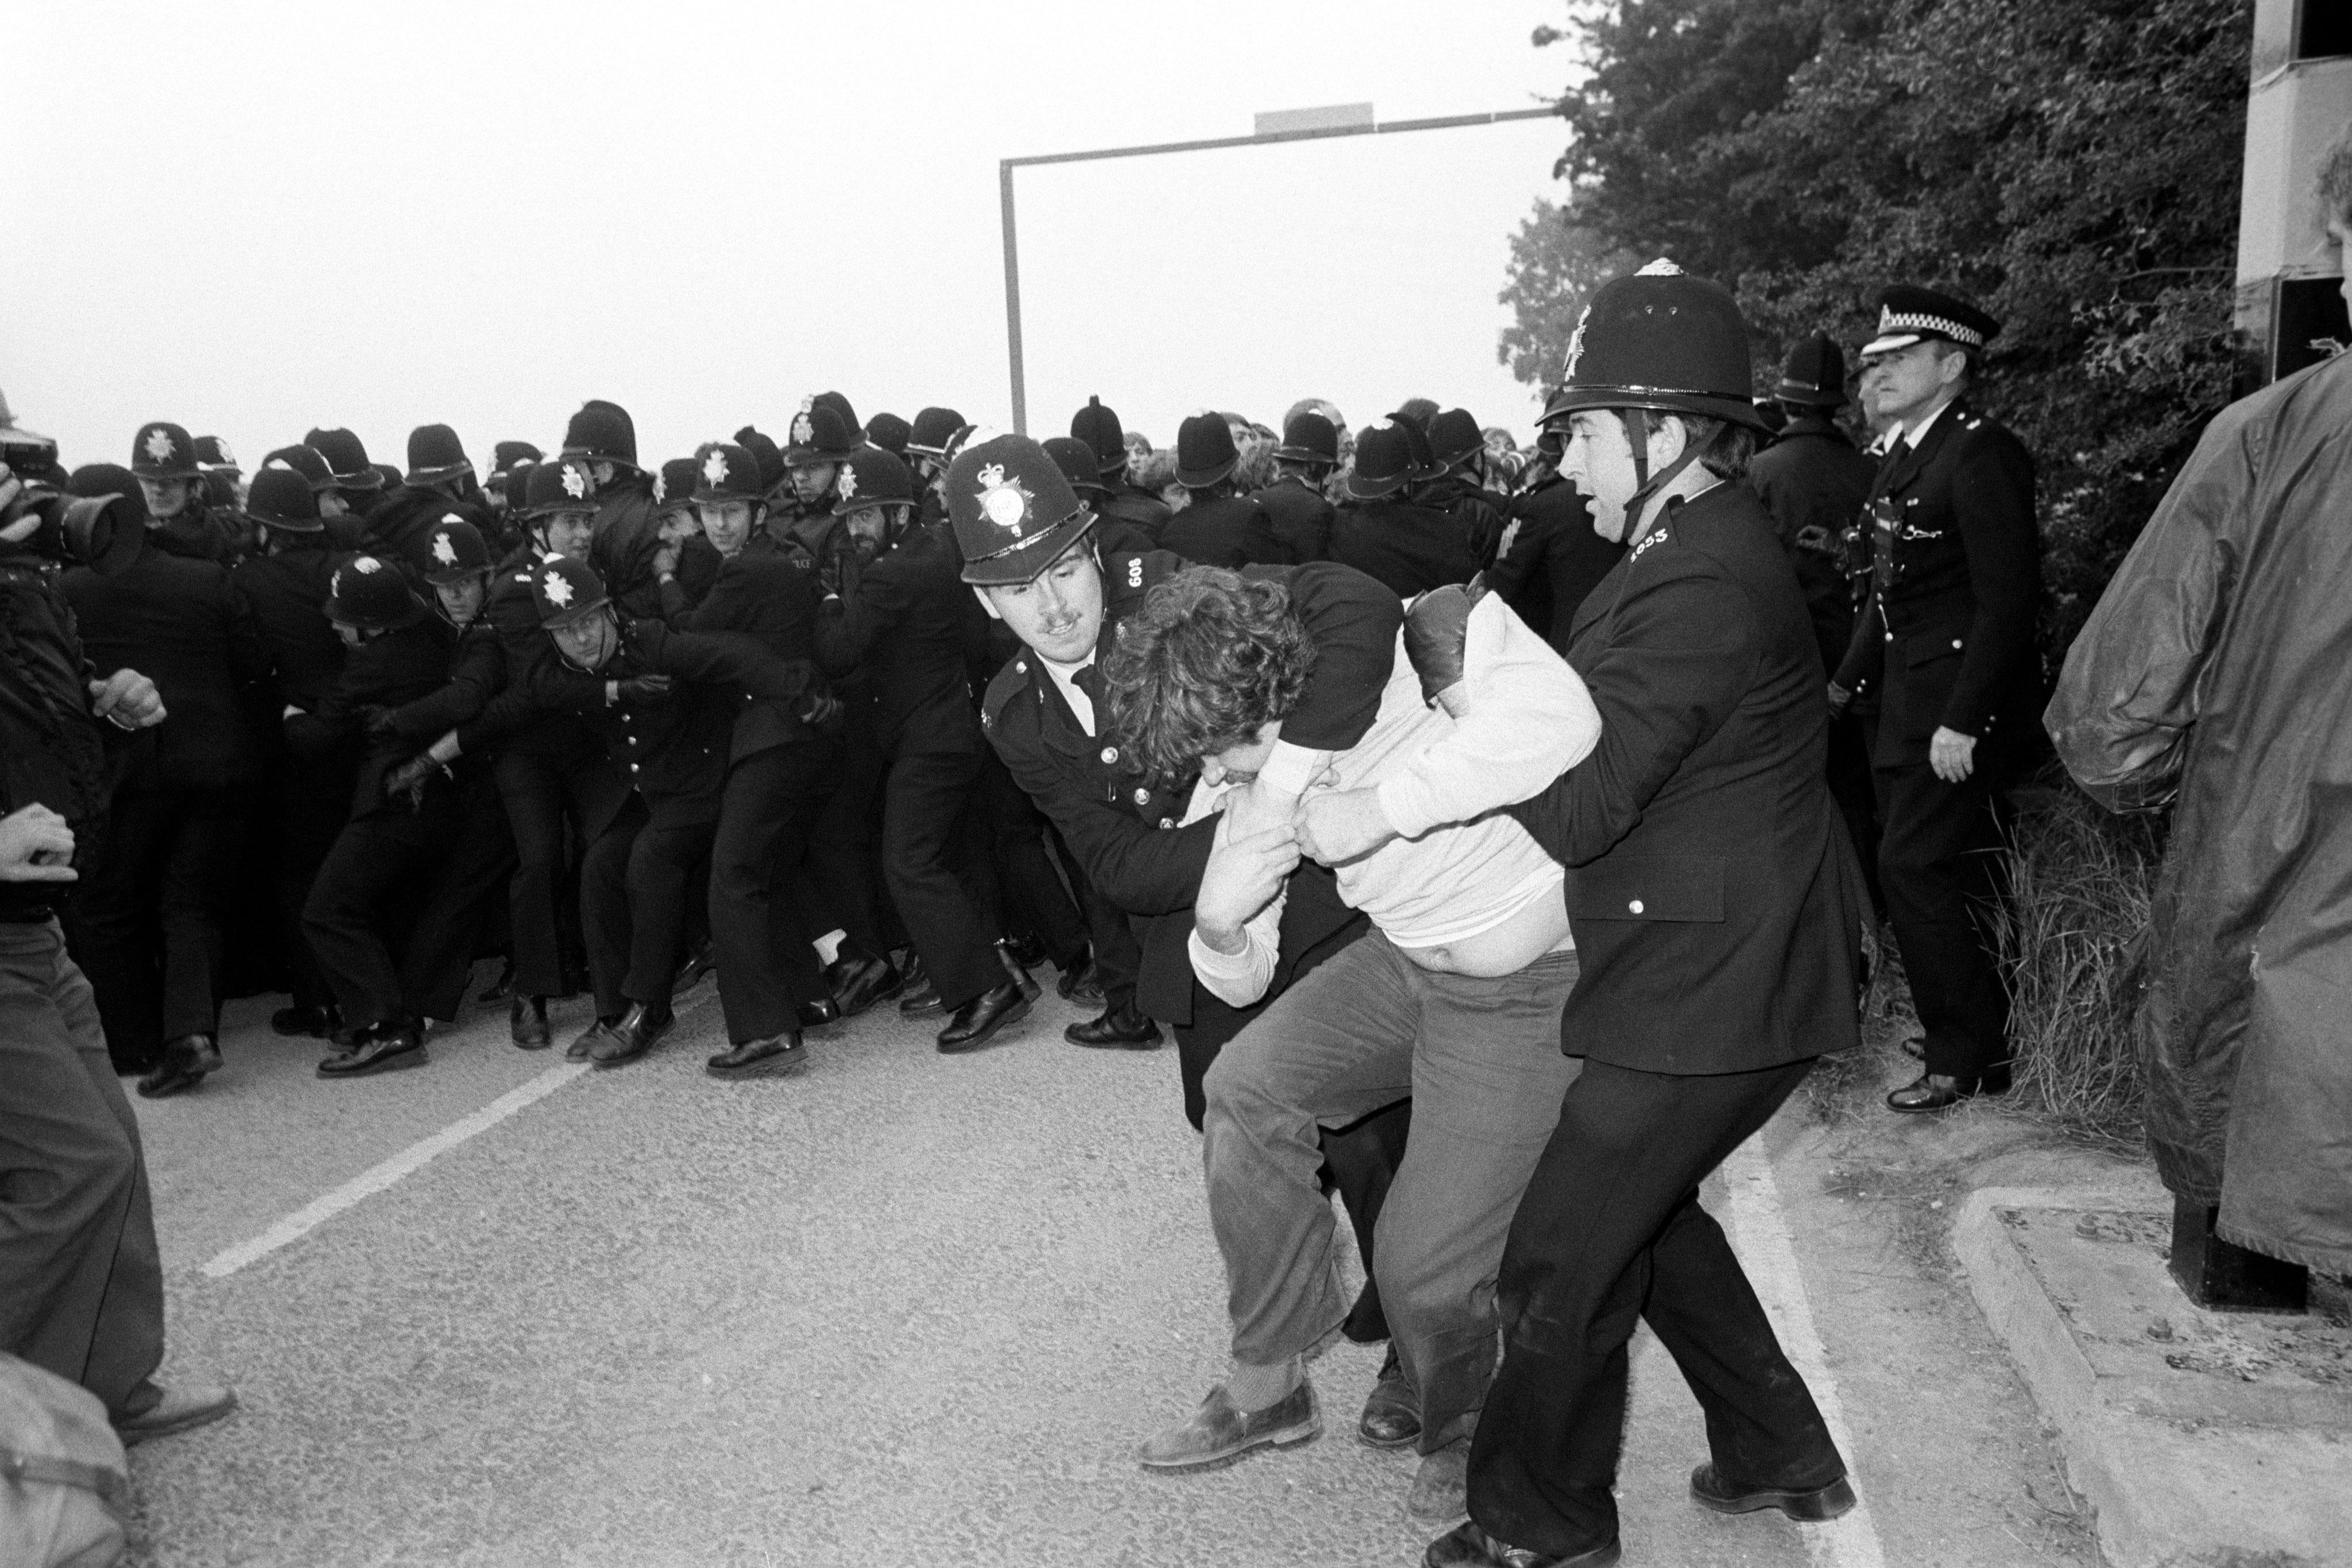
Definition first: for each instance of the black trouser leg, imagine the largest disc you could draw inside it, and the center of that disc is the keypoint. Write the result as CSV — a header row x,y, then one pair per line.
x,y
1939,863
923,796
465,880
1119,961
1858,798
661,864
534,788
766,968
198,861
840,859
310,806
112,925
1035,901
1610,1232
373,860
605,912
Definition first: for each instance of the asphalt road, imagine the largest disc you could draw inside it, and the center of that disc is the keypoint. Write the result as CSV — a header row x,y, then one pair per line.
x,y
901,1308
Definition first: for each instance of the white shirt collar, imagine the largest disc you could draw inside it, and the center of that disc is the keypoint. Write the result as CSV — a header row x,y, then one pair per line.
x,y
1914,434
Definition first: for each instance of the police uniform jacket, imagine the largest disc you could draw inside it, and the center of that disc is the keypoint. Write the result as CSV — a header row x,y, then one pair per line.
x,y
764,596
1817,487
1410,547
478,668
1555,558
674,750
52,751
1946,640
1302,517
1711,886
1229,531
905,619
1478,514
182,623
286,591
1140,507
1123,826
520,719
401,665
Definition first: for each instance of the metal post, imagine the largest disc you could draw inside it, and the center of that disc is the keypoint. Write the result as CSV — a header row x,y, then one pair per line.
x,y
1350,126
1012,301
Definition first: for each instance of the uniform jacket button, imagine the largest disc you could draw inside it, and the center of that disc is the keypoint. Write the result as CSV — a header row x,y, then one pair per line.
x,y
1635,906
1956,642
1110,753
1142,796
1167,821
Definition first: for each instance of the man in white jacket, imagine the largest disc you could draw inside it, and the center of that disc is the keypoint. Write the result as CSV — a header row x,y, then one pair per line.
x,y
1455,998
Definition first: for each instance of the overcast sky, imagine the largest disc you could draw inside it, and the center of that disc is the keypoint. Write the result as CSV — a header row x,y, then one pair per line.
x,y
254,217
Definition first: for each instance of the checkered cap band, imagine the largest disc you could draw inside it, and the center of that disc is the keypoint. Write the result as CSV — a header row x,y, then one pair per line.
x,y
1891,322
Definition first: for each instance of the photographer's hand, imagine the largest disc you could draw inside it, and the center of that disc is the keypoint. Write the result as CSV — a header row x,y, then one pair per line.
x,y
36,845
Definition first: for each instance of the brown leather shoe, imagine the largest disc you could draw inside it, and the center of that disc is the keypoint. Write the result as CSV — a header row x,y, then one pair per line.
x,y
1468,1546
1710,1489
1218,1432
174,1410
1392,1416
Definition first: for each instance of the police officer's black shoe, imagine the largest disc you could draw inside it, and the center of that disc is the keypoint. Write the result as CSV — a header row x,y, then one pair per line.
x,y
1028,951
817,1015
319,1023
698,967
1118,1029
977,1019
921,998
185,1062
1077,975
1013,967
527,1023
586,1040
1940,1091
771,1058
857,981
386,1048
634,1036
502,987
1710,1489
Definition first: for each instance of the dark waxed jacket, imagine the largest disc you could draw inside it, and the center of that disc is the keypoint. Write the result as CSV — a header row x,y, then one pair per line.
x,y
1123,827
184,625
1712,889
1817,486
287,592
52,751
1230,532
1140,508
1407,546
1947,638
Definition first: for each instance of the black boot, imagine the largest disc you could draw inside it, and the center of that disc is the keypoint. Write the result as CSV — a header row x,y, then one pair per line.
x,y
186,1062
318,1022
977,1022
387,1048
771,1058
526,1022
1119,1028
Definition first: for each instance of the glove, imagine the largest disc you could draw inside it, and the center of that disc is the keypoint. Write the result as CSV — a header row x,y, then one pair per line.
x,y
641,691
379,722
1436,627
409,778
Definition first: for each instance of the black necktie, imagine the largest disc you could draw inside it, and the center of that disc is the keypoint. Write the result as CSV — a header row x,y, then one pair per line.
x,y
1089,679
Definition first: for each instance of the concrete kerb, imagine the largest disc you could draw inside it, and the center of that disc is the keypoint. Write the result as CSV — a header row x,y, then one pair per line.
x,y
2215,1476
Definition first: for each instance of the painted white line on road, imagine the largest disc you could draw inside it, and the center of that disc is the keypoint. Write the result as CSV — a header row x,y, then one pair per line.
x,y
368,1182
1761,1230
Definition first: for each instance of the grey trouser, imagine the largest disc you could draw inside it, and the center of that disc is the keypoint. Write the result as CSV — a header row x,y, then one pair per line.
x,y
1481,1061
82,1287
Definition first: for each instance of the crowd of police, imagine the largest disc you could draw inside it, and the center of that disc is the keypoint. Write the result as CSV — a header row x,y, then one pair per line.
x,y
827,719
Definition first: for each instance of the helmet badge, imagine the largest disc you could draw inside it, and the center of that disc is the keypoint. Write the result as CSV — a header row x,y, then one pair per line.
x,y
1003,501
558,591
443,550
714,468
575,483
159,444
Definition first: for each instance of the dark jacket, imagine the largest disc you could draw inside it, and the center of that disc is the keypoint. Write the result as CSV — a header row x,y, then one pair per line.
x,y
1946,640
1716,903
52,751
1555,559
287,593
764,596
904,620
403,665
182,623
1140,508
1302,517
1123,827
1409,546
1817,487
1227,531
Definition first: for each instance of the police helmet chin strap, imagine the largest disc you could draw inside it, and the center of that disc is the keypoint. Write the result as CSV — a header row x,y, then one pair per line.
x,y
1646,485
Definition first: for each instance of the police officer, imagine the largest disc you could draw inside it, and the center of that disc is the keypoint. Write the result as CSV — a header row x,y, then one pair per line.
x,y
1716,915
1458,448
1946,645
1302,466
800,517
358,485
147,924
286,582
1551,557
1097,425
1817,484
439,474
779,775
1387,535
424,841
1219,525
172,482
604,439
619,673
926,448
901,615
1076,462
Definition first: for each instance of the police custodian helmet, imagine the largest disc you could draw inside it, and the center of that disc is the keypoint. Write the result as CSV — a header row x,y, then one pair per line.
x,y
1661,339
1013,511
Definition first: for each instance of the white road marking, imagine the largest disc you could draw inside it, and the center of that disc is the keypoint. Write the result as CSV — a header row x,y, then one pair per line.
x,y
368,1182
1761,1230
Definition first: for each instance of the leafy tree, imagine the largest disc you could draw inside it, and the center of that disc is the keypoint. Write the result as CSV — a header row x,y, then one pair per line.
x,y
2073,164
